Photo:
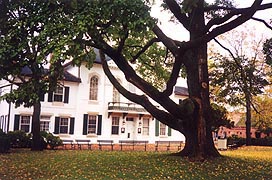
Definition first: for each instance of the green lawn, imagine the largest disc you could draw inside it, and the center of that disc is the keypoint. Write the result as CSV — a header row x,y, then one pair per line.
x,y
245,163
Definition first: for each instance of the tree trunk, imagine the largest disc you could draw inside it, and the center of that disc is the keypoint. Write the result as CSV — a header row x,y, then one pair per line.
x,y
37,144
199,142
248,120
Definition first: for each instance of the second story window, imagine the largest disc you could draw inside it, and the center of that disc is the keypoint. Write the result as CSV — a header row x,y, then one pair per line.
x,y
116,94
93,88
58,94
61,94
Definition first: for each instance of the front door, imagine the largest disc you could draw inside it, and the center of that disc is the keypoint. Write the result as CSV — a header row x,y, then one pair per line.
x,y
130,128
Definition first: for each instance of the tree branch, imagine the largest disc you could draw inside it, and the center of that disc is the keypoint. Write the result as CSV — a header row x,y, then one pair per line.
x,y
175,9
245,16
123,40
161,115
168,42
262,21
234,12
148,44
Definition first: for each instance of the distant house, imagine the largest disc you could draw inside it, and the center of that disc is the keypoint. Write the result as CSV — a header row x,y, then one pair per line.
x,y
87,106
239,129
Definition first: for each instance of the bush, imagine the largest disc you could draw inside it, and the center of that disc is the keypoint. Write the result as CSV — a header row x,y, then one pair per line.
x,y
4,142
267,141
51,140
234,139
19,139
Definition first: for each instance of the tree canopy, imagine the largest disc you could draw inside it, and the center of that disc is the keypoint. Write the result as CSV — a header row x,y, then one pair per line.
x,y
35,34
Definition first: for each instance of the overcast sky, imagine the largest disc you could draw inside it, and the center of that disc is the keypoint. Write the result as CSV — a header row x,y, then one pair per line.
x,y
176,31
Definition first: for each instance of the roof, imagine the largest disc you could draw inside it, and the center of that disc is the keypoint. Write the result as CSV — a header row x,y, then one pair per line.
x,y
97,59
66,75
182,91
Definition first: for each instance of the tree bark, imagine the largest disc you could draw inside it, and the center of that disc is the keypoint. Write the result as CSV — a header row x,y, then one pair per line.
x,y
37,144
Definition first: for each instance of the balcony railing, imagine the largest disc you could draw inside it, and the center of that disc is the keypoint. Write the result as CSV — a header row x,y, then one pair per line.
x,y
125,107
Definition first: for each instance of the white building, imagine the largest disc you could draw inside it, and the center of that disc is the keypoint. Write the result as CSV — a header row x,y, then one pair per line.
x,y
87,106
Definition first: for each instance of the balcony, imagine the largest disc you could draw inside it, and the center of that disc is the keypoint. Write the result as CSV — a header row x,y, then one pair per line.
x,y
125,107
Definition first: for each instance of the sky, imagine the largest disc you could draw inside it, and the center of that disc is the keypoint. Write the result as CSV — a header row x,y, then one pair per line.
x,y
176,31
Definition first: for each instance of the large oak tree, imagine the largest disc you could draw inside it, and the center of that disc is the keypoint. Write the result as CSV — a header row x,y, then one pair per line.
x,y
124,31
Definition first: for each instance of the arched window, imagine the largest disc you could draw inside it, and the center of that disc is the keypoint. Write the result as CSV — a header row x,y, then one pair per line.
x,y
116,94
93,88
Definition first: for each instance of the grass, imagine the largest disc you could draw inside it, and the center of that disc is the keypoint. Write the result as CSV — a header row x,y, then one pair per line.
x,y
244,163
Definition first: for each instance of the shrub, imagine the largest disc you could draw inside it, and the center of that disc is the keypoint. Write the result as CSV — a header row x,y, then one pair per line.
x,y
19,139
51,140
266,141
4,142
234,139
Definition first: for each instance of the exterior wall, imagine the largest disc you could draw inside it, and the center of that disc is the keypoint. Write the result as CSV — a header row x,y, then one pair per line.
x,y
79,108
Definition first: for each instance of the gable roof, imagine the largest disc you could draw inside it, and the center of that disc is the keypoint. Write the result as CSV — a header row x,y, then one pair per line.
x,y
66,75
182,91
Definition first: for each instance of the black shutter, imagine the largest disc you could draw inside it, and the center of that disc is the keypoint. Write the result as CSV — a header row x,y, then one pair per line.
x,y
157,127
169,131
57,119
50,97
85,121
66,95
16,122
72,125
99,125
42,97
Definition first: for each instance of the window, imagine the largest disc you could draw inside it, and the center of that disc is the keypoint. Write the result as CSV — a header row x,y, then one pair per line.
x,y
64,125
145,126
93,88
25,123
115,125
58,94
92,124
162,129
116,94
44,123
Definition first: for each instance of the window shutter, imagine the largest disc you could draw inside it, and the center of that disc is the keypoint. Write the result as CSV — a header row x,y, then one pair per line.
x,y
72,125
99,125
85,124
56,131
42,97
169,131
50,97
16,122
66,95
157,127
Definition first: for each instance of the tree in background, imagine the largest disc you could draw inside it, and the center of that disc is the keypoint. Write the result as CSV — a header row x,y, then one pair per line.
x,y
262,117
31,31
241,75
125,32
